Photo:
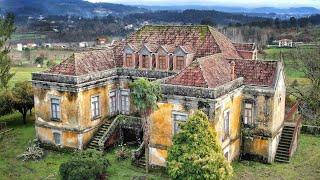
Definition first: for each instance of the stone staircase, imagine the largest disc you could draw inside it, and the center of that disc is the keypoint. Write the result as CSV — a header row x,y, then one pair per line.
x,y
139,158
141,162
94,143
283,150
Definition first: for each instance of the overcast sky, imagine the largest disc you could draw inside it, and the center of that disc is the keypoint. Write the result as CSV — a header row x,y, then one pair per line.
x,y
244,3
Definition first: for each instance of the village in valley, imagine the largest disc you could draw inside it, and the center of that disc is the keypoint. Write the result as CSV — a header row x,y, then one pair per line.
x,y
96,90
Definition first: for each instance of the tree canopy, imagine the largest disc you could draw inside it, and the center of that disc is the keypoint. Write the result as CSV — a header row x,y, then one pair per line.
x,y
22,98
196,153
145,94
6,29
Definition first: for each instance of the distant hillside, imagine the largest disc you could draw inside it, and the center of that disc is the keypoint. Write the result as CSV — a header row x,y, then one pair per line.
x,y
190,16
66,7
261,11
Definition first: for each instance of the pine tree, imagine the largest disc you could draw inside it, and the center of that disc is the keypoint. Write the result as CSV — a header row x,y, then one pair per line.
x,y
196,153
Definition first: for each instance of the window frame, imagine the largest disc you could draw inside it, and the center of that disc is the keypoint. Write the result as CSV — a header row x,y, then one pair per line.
x,y
124,97
145,61
179,65
129,60
55,114
226,126
113,102
95,109
54,133
176,122
162,62
248,113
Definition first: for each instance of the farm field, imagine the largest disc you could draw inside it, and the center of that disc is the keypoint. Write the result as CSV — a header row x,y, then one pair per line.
x,y
304,165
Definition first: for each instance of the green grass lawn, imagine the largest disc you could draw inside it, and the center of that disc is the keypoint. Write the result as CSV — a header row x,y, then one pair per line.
x,y
275,54
15,142
304,165
23,73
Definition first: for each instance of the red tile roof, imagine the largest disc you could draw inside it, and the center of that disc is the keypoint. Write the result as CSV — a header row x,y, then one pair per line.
x,y
205,40
245,54
85,62
244,46
215,70
207,72
256,72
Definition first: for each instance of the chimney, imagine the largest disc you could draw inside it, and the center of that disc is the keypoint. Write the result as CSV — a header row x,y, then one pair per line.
x,y
233,75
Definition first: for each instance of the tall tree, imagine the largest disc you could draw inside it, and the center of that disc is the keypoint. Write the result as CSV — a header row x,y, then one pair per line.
x,y
196,153
22,98
6,29
145,95
308,62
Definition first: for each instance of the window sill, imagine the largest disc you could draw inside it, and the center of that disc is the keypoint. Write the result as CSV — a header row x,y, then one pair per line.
x,y
95,118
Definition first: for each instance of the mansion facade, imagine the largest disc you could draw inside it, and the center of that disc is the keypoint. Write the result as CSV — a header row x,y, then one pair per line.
x,y
198,67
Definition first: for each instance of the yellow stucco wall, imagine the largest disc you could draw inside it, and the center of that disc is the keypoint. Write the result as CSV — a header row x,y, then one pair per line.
x,y
161,126
85,114
231,102
278,105
68,138
257,146
68,106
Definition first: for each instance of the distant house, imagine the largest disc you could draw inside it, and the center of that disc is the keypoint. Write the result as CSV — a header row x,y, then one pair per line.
x,y
19,47
30,45
285,43
83,44
60,45
47,45
101,41
128,27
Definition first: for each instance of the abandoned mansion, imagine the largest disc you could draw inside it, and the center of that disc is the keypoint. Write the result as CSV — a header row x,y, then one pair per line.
x,y
84,102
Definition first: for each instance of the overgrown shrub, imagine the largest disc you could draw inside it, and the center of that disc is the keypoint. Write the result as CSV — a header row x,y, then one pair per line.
x,y
122,153
33,152
196,153
87,165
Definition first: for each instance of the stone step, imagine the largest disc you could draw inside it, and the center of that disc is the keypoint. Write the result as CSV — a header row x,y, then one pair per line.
x,y
283,154
286,134
285,143
286,137
283,149
281,160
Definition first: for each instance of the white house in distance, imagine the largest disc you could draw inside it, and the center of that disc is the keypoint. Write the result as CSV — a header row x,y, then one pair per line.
x,y
19,47
285,43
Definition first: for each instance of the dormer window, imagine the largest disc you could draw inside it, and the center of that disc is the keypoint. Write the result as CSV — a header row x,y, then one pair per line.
x,y
145,61
180,62
162,62
129,60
